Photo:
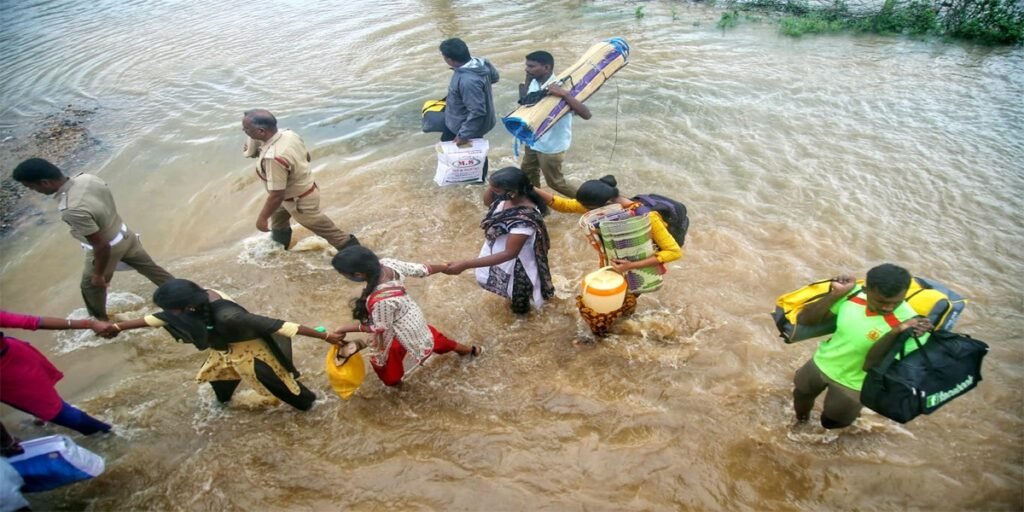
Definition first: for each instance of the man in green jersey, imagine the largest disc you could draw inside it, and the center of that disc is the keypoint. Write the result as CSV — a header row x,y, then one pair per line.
x,y
868,322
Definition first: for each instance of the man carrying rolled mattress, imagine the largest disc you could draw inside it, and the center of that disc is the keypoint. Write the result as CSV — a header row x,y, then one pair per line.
x,y
547,154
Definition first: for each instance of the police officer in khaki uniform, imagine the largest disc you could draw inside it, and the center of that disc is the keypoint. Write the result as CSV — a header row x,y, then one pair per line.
x,y
284,168
85,204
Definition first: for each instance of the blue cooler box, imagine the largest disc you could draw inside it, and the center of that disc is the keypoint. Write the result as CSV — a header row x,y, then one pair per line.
x,y
52,461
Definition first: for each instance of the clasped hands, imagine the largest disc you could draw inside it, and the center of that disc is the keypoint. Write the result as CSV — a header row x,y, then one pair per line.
x,y
453,268
337,337
105,329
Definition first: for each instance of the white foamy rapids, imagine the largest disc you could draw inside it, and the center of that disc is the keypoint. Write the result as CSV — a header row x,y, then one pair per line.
x,y
209,412
812,434
260,251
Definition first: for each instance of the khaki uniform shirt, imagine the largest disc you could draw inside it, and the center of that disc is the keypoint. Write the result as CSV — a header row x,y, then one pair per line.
x,y
284,164
85,204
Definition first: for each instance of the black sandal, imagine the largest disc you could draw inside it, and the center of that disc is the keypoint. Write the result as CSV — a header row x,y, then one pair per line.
x,y
475,351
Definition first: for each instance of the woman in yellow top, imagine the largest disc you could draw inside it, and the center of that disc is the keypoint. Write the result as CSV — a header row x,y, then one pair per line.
x,y
597,193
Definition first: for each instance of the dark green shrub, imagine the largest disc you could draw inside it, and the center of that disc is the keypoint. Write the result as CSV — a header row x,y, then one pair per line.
x,y
729,19
812,24
916,17
986,21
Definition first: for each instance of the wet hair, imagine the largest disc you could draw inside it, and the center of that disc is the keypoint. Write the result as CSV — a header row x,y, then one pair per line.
x,y
455,49
541,57
359,259
597,193
179,294
515,180
262,119
35,170
888,279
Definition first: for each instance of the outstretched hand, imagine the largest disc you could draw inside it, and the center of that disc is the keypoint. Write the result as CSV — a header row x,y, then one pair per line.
x,y
433,268
454,269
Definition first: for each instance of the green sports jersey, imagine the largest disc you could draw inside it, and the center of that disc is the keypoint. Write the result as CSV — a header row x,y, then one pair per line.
x,y
841,357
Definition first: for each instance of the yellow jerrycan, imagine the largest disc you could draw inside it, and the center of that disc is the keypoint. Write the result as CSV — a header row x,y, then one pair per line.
x,y
604,290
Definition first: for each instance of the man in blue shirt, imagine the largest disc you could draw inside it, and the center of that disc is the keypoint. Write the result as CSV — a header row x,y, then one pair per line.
x,y
547,154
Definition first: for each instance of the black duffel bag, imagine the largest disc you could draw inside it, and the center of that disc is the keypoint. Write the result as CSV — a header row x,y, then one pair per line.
x,y
902,386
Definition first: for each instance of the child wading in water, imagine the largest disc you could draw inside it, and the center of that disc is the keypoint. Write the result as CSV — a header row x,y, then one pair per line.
x,y
402,338
513,261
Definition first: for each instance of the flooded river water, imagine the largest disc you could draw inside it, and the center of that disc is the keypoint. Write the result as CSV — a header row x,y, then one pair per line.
x,y
797,158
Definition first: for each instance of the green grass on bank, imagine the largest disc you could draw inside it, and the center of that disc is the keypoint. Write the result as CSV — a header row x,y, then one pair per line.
x,y
984,21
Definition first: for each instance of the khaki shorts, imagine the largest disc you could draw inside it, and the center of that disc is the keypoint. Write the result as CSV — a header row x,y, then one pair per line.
x,y
842,404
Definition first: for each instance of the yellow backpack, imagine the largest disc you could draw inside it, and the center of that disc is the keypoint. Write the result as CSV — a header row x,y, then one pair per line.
x,y
345,375
928,298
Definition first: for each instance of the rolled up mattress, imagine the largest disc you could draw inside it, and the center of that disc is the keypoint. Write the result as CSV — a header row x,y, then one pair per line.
x,y
529,123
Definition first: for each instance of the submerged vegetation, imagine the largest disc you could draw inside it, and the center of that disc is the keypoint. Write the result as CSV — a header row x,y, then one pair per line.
x,y
985,21
729,19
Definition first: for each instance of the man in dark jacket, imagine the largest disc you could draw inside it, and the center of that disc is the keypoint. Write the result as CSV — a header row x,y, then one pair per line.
x,y
469,112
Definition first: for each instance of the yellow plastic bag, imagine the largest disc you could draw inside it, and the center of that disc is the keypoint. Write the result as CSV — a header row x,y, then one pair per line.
x,y
345,375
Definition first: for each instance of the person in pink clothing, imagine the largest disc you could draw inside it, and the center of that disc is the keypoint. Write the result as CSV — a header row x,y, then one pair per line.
x,y
28,379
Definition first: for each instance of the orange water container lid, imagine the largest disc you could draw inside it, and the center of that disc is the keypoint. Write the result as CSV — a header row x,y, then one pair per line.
x,y
604,282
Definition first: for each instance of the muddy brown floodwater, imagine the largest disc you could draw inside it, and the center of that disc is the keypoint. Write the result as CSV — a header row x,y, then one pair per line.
x,y
797,158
